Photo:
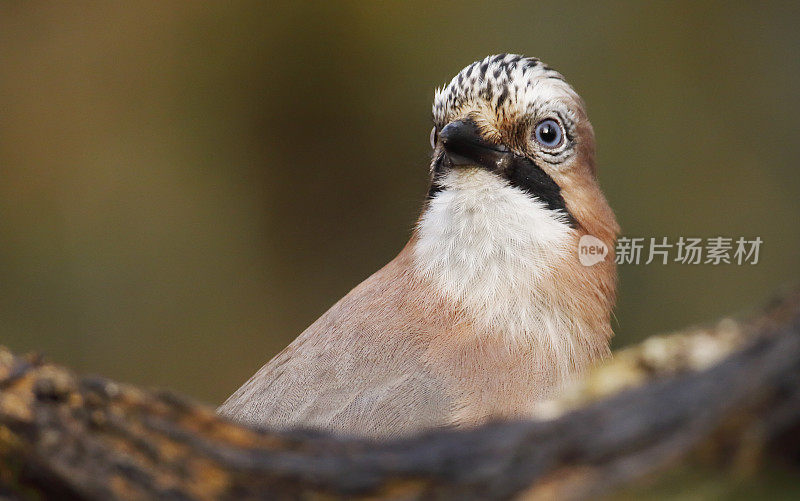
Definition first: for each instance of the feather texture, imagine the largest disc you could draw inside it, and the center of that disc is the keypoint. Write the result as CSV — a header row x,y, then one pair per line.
x,y
487,310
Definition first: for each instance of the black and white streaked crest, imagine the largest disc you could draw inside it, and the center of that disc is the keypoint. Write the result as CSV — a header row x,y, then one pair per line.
x,y
512,84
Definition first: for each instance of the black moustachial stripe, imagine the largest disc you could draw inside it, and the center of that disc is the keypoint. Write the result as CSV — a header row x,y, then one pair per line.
x,y
438,170
524,174
433,189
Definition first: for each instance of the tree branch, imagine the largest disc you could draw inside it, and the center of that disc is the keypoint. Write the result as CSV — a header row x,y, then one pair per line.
x,y
732,391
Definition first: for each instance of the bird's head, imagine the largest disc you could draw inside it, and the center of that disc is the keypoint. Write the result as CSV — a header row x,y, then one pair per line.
x,y
513,190
518,119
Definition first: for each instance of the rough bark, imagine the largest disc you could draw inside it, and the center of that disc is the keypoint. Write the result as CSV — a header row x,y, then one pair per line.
x,y
730,391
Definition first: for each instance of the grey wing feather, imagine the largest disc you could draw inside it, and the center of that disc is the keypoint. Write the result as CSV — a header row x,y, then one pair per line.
x,y
343,385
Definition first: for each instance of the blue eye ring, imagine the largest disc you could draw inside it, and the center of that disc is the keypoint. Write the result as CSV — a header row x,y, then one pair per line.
x,y
549,133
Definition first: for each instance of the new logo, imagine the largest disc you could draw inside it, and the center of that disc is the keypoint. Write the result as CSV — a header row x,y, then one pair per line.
x,y
591,250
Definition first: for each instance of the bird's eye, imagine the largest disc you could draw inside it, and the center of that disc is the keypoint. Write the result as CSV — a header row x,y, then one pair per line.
x,y
434,137
548,133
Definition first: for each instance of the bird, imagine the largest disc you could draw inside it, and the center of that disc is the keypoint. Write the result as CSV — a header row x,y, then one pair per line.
x,y
487,311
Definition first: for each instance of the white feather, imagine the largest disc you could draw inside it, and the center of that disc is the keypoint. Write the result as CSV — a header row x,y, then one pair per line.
x,y
493,251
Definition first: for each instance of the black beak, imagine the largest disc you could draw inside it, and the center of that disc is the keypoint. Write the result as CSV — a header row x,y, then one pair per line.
x,y
464,146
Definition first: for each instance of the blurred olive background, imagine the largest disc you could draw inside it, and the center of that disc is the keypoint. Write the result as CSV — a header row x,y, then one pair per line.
x,y
185,186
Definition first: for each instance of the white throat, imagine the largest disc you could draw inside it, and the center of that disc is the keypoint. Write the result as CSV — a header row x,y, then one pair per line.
x,y
494,251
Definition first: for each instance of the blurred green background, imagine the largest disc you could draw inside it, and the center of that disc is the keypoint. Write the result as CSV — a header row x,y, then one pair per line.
x,y
184,187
